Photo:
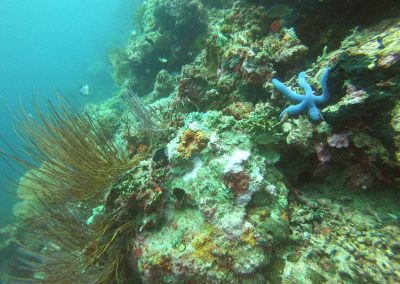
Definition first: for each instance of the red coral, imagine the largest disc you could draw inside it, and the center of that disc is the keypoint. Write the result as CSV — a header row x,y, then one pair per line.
x,y
182,86
133,145
137,252
239,110
237,182
193,89
275,26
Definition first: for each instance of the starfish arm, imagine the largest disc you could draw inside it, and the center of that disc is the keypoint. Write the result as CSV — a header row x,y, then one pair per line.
x,y
304,84
293,109
324,86
286,91
314,112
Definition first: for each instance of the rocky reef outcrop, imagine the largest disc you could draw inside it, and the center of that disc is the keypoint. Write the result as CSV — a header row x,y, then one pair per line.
x,y
223,189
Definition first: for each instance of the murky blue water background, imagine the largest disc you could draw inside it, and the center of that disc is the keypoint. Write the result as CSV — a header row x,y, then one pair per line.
x,y
48,44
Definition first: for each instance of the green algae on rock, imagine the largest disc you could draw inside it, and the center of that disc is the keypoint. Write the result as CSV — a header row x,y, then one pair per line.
x,y
228,192
215,227
166,29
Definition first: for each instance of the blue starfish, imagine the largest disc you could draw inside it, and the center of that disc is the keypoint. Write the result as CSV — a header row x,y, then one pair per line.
x,y
308,101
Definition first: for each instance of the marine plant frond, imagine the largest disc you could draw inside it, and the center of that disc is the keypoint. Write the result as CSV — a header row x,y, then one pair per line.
x,y
50,246
70,251
148,118
112,243
70,150
71,162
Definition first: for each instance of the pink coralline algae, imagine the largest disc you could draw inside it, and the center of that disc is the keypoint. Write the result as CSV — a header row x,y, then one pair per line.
x,y
338,140
322,153
354,95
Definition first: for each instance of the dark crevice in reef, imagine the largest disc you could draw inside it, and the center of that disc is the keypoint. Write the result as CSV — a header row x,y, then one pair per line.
x,y
326,23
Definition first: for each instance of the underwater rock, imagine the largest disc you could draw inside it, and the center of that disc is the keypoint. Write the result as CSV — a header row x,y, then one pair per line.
x,y
239,51
395,123
224,190
163,86
166,30
239,110
365,93
366,80
215,235
316,21
341,240
108,114
349,106
338,140
300,132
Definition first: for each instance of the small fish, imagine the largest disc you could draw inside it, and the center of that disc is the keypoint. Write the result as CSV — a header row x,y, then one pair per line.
x,y
394,217
163,59
84,90
380,43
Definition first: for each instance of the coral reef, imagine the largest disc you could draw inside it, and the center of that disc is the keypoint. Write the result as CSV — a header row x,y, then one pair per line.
x,y
338,140
343,239
167,32
191,142
219,241
192,173
239,51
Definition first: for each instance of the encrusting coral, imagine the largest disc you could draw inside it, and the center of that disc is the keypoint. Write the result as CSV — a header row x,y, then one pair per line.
x,y
191,142
221,188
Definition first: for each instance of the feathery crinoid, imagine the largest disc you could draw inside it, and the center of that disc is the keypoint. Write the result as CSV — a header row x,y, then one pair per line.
x,y
71,163
59,246
70,151
155,122
145,114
